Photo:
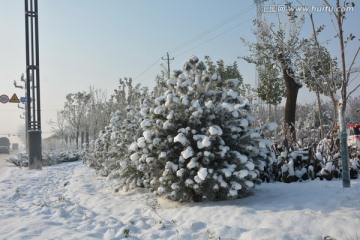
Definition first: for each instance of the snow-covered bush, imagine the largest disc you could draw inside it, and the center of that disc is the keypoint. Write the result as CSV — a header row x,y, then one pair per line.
x,y
49,157
309,156
104,153
301,162
354,167
328,153
294,165
197,140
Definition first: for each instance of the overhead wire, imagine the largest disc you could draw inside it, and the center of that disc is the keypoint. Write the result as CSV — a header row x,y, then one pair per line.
x,y
212,29
153,73
219,35
148,68
202,35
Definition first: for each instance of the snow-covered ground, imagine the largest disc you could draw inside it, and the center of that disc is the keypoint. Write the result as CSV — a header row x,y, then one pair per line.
x,y
68,201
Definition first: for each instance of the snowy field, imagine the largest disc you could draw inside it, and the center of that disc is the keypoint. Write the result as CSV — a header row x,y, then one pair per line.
x,y
68,201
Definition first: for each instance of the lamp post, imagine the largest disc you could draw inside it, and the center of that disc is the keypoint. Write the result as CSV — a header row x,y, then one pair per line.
x,y
33,84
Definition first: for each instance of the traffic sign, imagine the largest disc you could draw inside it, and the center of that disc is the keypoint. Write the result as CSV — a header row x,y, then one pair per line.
x,y
14,99
23,99
4,98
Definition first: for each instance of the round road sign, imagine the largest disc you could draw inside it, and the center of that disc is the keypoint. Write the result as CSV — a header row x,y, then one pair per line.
x,y
4,99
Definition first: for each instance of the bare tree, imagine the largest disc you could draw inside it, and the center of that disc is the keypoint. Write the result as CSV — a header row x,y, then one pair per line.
x,y
59,127
75,109
97,116
340,15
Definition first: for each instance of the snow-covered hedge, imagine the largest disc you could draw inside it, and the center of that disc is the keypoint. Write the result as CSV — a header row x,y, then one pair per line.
x,y
50,157
309,162
105,153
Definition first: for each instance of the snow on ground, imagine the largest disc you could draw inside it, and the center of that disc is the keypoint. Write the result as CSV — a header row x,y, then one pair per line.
x,y
68,201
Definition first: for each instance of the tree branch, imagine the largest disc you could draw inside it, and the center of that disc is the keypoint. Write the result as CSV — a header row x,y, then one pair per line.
x,y
358,86
352,64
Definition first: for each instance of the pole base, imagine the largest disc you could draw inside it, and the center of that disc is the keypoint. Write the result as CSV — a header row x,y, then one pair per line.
x,y
35,149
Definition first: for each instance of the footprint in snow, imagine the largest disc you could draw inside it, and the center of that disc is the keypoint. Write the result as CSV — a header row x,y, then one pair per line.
x,y
197,226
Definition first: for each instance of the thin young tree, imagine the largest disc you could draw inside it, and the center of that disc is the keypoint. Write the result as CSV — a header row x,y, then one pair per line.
x,y
339,14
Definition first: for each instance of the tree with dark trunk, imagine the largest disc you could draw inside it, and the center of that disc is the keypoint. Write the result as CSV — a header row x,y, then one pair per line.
x,y
292,89
276,55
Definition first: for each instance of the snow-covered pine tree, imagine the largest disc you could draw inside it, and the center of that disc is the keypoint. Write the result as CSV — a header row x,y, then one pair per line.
x,y
111,146
198,142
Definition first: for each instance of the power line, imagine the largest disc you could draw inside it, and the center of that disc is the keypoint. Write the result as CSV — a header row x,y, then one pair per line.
x,y
148,68
201,35
216,36
212,29
158,69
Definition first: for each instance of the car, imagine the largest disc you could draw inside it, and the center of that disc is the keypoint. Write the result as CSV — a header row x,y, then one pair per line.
x,y
4,149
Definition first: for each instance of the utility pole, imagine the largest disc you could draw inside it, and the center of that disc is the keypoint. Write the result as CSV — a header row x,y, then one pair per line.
x,y
168,63
33,84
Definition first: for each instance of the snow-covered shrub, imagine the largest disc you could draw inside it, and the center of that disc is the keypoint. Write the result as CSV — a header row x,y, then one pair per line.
x,y
329,160
197,140
331,163
292,165
111,146
97,150
319,157
301,163
49,157
354,167
104,154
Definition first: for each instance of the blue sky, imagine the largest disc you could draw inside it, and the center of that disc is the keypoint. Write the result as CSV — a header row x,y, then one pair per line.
x,y
95,42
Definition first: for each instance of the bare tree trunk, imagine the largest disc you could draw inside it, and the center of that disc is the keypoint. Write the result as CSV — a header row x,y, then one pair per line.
x,y
320,115
344,148
335,115
77,139
94,134
342,106
82,138
275,120
269,112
